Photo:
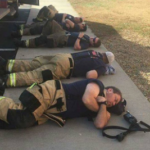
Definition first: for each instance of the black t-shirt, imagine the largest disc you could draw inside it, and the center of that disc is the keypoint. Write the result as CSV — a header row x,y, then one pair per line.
x,y
75,29
58,17
84,42
87,61
74,93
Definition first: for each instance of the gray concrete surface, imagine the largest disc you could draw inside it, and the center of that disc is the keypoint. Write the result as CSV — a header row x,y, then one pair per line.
x,y
4,12
78,133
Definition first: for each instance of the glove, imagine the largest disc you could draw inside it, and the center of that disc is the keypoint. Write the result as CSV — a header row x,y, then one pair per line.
x,y
110,70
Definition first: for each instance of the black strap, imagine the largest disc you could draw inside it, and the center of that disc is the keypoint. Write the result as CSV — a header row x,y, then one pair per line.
x,y
71,68
29,100
47,75
132,128
58,105
57,83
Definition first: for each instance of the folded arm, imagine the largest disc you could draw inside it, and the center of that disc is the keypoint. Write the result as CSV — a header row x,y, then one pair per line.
x,y
89,97
92,74
103,115
77,45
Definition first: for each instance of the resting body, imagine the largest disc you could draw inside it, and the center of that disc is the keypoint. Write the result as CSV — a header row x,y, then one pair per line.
x,y
58,102
53,35
89,64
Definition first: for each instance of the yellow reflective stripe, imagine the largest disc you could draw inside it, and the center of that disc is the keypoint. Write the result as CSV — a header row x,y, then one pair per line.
x,y
11,64
1,97
39,19
27,43
21,32
22,26
33,85
12,79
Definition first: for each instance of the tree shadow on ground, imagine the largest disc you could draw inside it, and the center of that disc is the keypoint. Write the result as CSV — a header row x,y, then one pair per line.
x,y
133,58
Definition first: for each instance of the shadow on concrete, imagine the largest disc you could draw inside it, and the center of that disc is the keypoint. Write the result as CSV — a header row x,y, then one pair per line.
x,y
127,54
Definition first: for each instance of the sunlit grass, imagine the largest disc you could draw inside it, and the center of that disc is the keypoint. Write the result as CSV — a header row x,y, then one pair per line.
x,y
122,14
124,28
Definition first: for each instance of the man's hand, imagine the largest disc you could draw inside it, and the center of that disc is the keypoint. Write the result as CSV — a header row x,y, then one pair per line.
x,y
81,34
103,115
101,99
77,45
110,70
69,23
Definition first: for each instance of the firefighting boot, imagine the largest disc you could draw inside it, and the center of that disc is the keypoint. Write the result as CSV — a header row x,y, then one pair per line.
x,y
3,81
15,34
19,43
3,63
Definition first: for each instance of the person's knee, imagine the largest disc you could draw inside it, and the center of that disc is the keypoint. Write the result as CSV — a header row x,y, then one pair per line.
x,y
50,43
36,30
20,118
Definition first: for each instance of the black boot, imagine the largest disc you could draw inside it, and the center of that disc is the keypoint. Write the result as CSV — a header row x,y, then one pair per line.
x,y
3,63
15,34
3,81
17,26
19,43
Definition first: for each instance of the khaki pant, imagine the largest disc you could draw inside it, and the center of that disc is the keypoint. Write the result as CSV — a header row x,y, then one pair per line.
x,y
47,100
24,73
35,27
44,28
54,33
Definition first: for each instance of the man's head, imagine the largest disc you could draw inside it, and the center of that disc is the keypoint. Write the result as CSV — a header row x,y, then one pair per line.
x,y
82,26
115,102
95,42
108,57
113,96
78,19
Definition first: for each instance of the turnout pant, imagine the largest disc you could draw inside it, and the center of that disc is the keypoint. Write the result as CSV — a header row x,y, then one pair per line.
x,y
37,104
53,35
40,69
44,28
32,29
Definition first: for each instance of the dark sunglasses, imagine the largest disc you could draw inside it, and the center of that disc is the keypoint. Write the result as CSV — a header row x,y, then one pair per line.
x,y
94,39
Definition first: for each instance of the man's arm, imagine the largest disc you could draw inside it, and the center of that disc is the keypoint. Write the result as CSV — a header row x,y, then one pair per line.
x,y
103,115
77,45
90,95
64,16
69,23
92,74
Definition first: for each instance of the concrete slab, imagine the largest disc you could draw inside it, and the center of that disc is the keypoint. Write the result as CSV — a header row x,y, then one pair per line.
x,y
78,133
4,12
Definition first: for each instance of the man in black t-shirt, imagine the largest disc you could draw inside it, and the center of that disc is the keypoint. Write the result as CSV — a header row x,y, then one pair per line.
x,y
45,14
89,64
37,27
53,35
56,101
